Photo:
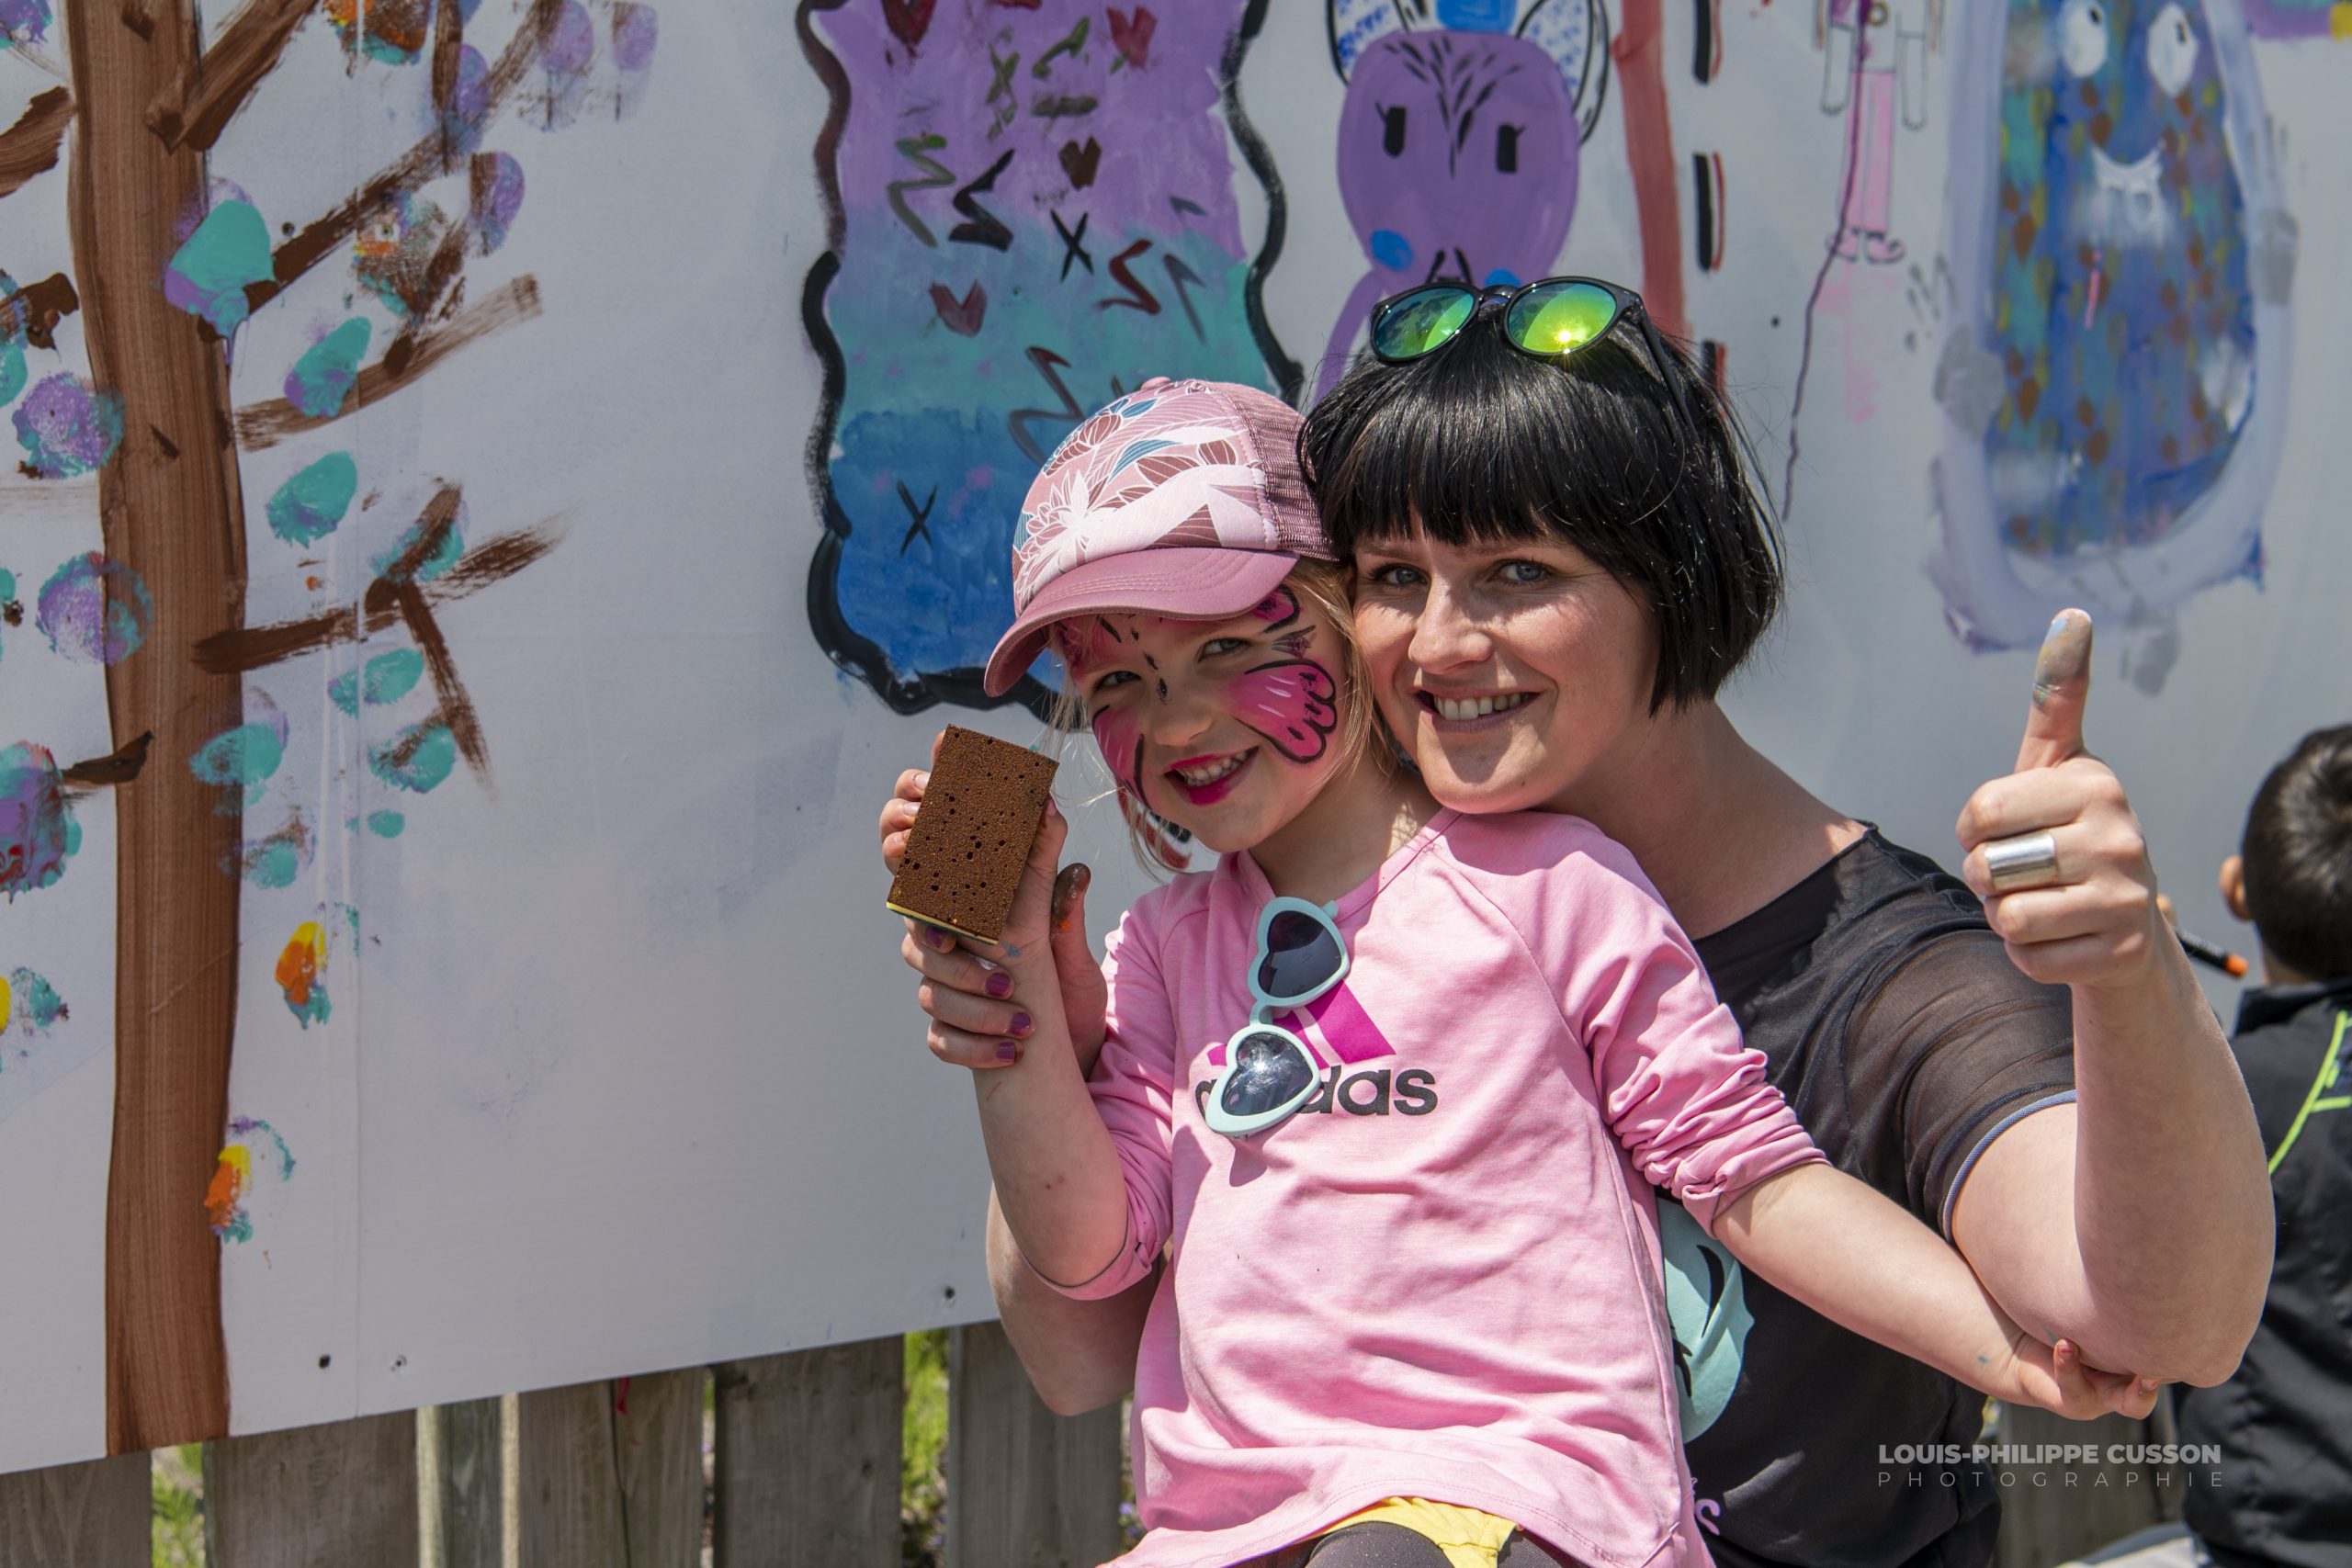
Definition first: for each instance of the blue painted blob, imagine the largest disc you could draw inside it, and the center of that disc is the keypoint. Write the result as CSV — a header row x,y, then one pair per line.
x,y
322,377
1502,277
386,824
12,345
308,506
386,679
1390,249
1476,16
208,275
445,551
93,610
391,676
35,1008
417,760
273,863
240,761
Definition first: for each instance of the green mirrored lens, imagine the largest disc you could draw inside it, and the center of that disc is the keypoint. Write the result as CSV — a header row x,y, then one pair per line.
x,y
1421,321
1560,318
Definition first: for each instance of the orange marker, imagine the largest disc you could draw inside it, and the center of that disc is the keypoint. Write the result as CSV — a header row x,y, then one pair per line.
x,y
2221,958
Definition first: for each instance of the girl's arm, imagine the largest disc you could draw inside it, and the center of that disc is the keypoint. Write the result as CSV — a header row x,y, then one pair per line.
x,y
1058,1177
1865,1263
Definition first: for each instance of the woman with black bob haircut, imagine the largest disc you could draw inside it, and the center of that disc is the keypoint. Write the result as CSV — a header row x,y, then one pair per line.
x,y
1559,559
1480,443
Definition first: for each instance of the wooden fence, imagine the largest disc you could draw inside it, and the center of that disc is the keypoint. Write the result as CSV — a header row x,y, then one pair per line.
x,y
805,1474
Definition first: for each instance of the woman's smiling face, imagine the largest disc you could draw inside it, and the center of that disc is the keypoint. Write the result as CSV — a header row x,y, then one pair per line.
x,y
1509,671
1224,728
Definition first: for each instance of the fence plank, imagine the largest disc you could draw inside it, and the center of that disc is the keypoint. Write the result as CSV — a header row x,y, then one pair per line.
x,y
1025,1488
808,1457
77,1515
344,1494
471,1484
2057,1522
612,1474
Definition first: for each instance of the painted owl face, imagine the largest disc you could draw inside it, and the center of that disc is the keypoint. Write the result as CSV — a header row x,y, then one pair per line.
x,y
2121,311
1458,156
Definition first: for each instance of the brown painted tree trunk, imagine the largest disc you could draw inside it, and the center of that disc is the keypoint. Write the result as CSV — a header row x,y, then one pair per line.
x,y
171,510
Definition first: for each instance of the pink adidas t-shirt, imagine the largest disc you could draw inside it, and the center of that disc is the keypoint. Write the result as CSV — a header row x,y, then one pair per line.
x,y
1441,1278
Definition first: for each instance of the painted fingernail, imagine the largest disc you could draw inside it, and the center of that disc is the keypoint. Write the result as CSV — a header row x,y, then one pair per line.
x,y
1000,984
1006,1050
937,938
1023,1024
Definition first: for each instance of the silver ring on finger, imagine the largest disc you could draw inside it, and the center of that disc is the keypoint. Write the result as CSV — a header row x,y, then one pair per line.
x,y
2029,860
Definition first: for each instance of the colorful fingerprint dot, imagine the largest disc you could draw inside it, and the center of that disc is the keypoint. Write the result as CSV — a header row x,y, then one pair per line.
x,y
417,760
496,195
447,546
37,833
240,761
392,32
395,254
208,274
301,974
277,859
306,507
387,678
94,611
23,21
234,1175
224,1200
67,427
386,824
29,1005
13,373
636,30
323,377
470,103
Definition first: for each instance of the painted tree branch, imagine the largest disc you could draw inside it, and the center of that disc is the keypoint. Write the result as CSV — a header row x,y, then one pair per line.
x,y
247,648
37,308
435,154
31,146
208,93
265,424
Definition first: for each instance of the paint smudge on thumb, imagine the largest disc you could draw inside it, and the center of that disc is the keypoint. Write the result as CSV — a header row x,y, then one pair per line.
x,y
2065,657
1069,892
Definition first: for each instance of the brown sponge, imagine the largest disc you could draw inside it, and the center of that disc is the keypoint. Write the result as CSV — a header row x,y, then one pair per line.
x,y
973,835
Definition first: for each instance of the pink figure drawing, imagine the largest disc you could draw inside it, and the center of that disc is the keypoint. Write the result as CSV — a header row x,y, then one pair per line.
x,y
1875,63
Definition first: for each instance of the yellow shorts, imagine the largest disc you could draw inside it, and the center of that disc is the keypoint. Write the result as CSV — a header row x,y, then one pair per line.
x,y
1468,1538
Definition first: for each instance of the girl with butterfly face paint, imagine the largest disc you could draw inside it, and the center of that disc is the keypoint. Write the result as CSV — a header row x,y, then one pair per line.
x,y
1391,1084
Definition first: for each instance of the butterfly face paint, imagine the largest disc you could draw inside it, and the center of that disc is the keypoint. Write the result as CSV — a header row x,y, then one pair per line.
x,y
1289,701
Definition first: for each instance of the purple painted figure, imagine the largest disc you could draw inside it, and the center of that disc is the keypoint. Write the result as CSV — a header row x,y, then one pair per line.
x,y
1458,145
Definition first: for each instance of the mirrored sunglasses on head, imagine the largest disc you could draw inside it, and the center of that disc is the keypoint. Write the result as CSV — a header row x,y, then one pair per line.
x,y
1551,318
1269,1072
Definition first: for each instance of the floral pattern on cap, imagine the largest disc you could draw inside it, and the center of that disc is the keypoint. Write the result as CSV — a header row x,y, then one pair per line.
x,y
1170,442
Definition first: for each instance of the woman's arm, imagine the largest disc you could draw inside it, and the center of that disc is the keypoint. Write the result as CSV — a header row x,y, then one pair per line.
x,y
1861,1261
2078,1218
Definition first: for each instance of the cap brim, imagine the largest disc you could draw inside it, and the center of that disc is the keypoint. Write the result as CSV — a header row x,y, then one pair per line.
x,y
1203,584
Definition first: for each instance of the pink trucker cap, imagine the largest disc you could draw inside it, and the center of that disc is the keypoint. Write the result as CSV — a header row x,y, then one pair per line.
x,y
1183,498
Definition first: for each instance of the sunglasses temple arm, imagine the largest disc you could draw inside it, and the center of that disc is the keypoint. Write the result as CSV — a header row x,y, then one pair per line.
x,y
1656,347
